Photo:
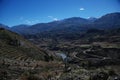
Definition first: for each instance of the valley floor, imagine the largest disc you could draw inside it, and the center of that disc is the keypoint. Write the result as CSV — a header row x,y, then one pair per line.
x,y
76,66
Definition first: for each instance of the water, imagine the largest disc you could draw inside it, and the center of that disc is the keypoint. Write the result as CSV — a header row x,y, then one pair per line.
x,y
63,55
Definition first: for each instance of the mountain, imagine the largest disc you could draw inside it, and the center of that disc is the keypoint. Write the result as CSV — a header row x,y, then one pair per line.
x,y
19,28
107,21
76,20
13,46
92,19
3,26
55,25
69,26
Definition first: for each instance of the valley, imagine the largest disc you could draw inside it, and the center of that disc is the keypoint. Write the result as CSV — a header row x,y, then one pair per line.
x,y
70,49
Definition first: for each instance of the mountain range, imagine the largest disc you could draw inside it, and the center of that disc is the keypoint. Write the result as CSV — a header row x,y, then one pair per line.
x,y
111,20
69,26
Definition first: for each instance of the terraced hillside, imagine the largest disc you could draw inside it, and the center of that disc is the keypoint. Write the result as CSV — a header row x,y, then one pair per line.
x,y
13,46
18,56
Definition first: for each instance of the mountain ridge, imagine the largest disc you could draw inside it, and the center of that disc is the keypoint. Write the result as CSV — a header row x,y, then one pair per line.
x,y
108,21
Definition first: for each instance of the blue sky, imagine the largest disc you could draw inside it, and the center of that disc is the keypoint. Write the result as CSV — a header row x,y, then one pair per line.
x,y
15,12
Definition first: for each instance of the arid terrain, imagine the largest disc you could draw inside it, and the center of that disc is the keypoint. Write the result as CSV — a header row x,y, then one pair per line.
x,y
80,49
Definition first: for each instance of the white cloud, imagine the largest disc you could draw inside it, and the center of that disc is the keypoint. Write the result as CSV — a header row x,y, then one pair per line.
x,y
53,18
82,9
88,17
28,21
50,16
31,21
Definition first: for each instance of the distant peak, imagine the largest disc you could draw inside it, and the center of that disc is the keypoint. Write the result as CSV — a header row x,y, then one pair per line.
x,y
116,14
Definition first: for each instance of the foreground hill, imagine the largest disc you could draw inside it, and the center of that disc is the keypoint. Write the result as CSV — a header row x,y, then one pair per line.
x,y
13,46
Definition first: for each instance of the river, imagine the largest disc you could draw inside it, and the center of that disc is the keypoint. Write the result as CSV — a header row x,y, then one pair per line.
x,y
62,55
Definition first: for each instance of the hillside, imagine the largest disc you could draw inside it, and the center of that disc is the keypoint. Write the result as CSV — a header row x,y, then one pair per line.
x,y
22,60
15,47
78,49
